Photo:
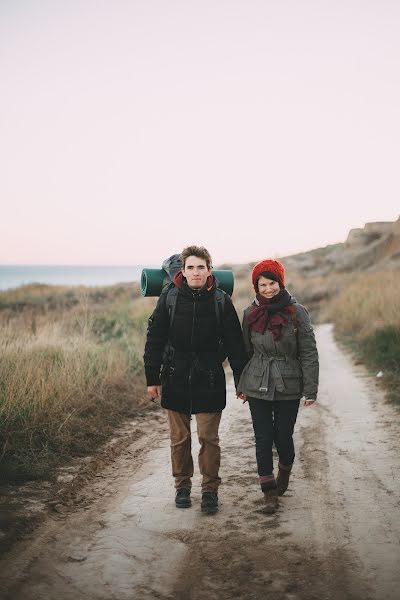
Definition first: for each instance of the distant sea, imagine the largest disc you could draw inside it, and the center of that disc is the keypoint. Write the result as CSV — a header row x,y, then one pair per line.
x,y
12,276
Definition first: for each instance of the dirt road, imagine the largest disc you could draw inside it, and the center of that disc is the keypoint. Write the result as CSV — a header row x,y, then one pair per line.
x,y
336,534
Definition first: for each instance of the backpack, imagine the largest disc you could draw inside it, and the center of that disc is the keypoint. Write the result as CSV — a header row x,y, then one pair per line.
x,y
172,266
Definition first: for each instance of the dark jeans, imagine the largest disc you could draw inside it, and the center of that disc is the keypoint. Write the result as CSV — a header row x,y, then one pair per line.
x,y
273,422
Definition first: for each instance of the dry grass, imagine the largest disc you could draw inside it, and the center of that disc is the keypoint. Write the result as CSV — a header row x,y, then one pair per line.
x,y
369,303
67,375
366,314
42,298
243,292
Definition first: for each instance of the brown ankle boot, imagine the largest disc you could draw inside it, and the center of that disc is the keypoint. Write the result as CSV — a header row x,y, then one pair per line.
x,y
282,480
271,501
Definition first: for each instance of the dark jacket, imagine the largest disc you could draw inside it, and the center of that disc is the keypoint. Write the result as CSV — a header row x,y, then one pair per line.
x,y
186,359
283,369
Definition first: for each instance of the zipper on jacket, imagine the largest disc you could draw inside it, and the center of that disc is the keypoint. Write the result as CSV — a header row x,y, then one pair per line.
x,y
191,364
193,319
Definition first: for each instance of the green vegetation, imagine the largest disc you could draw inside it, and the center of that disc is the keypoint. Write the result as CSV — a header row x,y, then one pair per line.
x,y
70,371
381,352
383,347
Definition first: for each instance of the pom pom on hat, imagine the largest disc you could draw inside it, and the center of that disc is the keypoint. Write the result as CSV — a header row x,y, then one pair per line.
x,y
271,266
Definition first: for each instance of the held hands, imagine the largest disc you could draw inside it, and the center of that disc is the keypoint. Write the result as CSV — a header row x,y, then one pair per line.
x,y
154,392
242,397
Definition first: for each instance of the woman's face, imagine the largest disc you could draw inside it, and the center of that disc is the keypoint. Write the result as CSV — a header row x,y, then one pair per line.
x,y
268,288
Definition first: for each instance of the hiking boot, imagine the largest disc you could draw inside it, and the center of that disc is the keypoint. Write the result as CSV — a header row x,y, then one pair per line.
x,y
209,502
271,500
282,480
182,498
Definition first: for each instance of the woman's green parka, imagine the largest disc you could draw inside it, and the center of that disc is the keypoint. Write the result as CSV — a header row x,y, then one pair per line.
x,y
283,369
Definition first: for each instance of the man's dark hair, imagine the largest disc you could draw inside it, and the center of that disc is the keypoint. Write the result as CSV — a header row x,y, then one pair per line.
x,y
199,252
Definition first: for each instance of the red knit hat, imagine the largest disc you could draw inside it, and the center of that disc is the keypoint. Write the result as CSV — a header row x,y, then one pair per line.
x,y
269,266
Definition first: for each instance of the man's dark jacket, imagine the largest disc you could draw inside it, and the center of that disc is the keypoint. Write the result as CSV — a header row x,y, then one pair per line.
x,y
191,371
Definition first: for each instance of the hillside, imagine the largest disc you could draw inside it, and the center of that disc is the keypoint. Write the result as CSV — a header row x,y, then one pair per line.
x,y
322,273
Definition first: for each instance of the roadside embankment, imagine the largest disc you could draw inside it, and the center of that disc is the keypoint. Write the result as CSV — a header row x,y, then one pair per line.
x,y
70,372
366,314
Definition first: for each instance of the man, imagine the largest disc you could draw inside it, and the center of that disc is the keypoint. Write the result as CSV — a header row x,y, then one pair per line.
x,y
188,339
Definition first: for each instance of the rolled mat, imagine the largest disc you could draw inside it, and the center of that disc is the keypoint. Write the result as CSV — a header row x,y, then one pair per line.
x,y
152,281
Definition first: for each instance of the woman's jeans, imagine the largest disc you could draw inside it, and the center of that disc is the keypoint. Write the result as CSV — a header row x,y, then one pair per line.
x,y
273,423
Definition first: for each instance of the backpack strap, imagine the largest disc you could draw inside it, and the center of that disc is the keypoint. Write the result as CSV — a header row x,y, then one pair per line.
x,y
295,324
219,301
171,301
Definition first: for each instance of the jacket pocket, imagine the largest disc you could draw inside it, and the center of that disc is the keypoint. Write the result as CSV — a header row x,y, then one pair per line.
x,y
293,385
251,377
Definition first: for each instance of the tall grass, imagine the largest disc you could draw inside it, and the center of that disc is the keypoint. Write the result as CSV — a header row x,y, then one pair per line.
x,y
67,377
369,303
366,314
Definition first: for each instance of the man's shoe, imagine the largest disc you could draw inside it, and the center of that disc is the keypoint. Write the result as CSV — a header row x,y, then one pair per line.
x,y
182,498
209,502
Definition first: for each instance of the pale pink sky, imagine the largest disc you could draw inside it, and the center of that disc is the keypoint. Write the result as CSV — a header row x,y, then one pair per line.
x,y
132,128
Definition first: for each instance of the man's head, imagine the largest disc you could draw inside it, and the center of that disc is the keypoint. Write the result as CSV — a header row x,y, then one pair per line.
x,y
196,266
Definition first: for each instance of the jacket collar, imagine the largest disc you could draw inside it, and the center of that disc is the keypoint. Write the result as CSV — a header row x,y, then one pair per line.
x,y
181,283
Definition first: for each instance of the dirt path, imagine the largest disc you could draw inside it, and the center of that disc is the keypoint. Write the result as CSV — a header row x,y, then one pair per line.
x,y
336,534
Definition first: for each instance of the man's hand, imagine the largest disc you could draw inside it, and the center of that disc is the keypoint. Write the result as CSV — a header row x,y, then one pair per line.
x,y
242,396
154,391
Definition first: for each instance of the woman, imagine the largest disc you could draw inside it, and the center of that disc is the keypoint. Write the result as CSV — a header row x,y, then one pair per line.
x,y
283,367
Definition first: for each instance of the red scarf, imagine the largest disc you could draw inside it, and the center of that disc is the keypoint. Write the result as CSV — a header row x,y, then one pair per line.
x,y
268,313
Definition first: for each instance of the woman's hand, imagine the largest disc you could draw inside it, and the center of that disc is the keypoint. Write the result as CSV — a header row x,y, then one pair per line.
x,y
242,396
308,402
154,391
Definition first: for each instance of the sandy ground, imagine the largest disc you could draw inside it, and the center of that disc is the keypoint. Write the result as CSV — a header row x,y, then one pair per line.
x,y
336,534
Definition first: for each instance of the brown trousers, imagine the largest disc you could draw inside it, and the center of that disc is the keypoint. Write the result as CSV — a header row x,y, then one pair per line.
x,y
181,449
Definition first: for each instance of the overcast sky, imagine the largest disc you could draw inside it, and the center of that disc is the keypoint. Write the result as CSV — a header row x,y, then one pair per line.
x,y
255,127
